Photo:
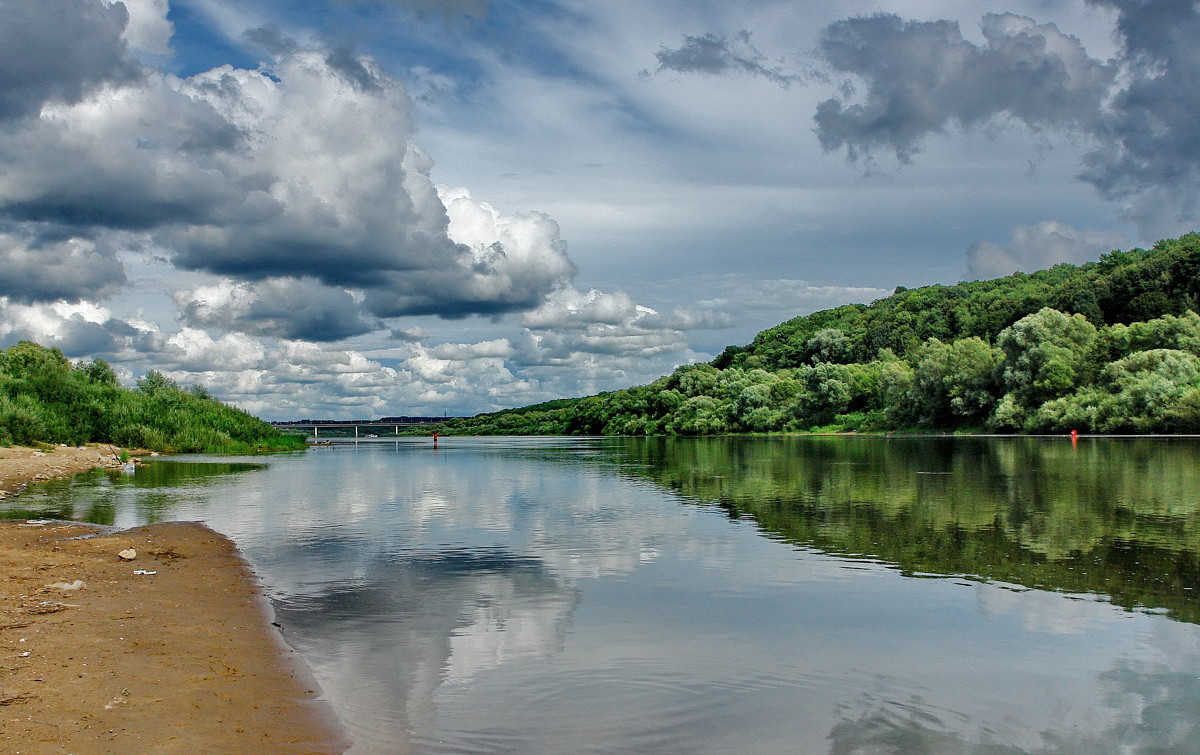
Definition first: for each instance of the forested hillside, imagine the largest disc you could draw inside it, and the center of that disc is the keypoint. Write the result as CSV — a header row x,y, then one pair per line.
x,y
1110,346
46,399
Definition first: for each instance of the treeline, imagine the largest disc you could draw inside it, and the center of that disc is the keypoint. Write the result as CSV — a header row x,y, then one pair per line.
x,y
44,398
1111,346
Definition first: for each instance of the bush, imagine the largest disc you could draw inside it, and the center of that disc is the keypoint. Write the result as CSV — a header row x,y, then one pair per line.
x,y
44,398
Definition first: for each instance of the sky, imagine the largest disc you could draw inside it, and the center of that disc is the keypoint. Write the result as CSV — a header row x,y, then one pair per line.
x,y
363,208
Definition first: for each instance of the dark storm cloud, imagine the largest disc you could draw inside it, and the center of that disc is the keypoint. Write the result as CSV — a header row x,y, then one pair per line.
x,y
343,60
1151,134
447,10
144,157
58,50
1139,110
921,77
712,54
285,308
36,269
271,39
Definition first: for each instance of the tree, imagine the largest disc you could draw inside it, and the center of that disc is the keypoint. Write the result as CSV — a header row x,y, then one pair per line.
x,y
828,345
1167,332
1148,391
155,382
201,392
970,379
98,372
1045,354
701,415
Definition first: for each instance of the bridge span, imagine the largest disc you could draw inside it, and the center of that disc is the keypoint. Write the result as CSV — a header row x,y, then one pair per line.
x,y
357,426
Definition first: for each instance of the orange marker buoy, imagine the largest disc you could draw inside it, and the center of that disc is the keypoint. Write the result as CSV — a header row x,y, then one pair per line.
x,y
1074,437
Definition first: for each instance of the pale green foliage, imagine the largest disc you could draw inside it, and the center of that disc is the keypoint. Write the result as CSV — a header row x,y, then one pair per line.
x,y
697,379
1166,332
952,381
1045,354
829,345
1148,391
897,382
99,372
700,415
970,378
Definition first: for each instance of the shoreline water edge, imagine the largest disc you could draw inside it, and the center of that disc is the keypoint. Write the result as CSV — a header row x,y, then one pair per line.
x,y
153,639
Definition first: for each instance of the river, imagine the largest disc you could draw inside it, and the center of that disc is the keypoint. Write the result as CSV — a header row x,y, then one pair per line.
x,y
753,595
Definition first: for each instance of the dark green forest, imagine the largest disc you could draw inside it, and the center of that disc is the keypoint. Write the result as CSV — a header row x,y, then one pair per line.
x,y
44,398
1111,346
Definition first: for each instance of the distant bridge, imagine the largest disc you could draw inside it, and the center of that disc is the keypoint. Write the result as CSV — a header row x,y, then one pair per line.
x,y
357,425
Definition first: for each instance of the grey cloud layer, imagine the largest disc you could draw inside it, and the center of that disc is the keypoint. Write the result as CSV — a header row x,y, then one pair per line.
x,y
904,80
280,307
923,76
59,50
1138,110
49,267
1150,134
712,54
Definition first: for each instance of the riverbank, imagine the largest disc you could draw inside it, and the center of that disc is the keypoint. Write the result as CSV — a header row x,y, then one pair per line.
x,y
20,465
169,652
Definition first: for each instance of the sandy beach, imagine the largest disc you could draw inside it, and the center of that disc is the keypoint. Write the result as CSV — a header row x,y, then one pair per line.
x,y
170,651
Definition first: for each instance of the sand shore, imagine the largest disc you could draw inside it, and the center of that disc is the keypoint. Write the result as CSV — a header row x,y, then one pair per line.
x,y
96,657
20,466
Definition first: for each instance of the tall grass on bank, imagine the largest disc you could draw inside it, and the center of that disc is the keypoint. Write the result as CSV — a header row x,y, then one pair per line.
x,y
45,398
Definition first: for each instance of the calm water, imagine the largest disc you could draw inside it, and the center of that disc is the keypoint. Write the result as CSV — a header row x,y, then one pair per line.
x,y
809,595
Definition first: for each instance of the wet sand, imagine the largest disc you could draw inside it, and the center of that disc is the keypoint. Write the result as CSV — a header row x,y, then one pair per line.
x,y
97,658
20,466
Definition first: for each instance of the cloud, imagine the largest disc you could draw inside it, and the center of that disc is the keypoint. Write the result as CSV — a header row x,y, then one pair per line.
x,y
79,329
1037,247
572,324
138,157
148,28
54,265
569,309
712,54
409,335
447,10
193,350
1136,112
923,76
305,171
283,307
1149,143
510,264
717,300
500,348
60,51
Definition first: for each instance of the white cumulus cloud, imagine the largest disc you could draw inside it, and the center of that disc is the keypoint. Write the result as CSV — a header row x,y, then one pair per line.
x,y
1040,246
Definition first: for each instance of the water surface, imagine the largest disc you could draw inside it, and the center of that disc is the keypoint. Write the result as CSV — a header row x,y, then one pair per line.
x,y
748,595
